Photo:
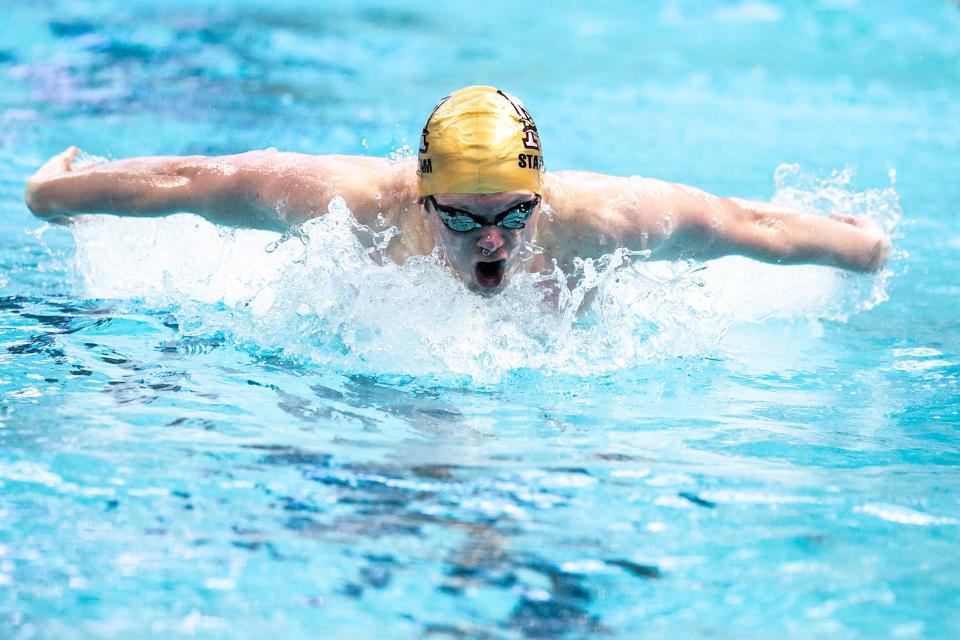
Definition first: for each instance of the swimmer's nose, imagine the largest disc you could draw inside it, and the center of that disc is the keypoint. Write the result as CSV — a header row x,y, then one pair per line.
x,y
490,239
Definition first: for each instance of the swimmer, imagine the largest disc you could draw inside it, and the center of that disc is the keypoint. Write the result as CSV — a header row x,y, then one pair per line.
x,y
478,192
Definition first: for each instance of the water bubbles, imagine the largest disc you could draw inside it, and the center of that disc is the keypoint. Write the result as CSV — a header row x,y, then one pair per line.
x,y
296,231
548,211
668,225
402,153
529,251
83,160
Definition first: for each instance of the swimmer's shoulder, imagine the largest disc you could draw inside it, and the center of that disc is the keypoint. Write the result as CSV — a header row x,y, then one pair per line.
x,y
395,180
575,181
391,182
341,167
300,186
582,192
577,194
589,213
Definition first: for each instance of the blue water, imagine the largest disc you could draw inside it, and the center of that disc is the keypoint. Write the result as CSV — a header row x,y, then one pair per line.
x,y
227,434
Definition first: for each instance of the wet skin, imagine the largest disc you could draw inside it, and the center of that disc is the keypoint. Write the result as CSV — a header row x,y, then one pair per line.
x,y
486,257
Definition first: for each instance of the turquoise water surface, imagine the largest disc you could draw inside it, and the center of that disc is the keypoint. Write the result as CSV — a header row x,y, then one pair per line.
x,y
221,433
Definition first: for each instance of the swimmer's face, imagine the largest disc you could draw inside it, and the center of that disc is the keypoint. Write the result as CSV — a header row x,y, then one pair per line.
x,y
486,256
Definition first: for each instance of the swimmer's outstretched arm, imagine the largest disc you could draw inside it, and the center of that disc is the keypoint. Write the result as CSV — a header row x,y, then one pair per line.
x,y
675,221
782,235
259,189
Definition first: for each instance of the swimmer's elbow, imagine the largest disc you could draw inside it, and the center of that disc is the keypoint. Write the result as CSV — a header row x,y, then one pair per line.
x,y
730,229
705,233
236,199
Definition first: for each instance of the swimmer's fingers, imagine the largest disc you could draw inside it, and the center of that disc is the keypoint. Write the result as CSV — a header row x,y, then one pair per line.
x,y
851,220
57,165
874,234
860,222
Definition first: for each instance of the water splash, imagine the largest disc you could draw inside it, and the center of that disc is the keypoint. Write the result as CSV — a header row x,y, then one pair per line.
x,y
319,294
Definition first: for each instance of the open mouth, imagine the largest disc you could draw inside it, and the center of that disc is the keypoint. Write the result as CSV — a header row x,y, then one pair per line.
x,y
489,274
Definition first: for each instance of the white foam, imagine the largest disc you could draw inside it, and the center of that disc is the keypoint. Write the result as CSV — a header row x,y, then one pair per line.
x,y
920,365
903,515
917,352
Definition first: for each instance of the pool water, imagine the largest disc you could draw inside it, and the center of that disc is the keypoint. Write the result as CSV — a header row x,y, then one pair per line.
x,y
227,434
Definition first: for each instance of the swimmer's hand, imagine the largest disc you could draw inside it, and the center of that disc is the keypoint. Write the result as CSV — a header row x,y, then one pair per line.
x,y
874,235
55,167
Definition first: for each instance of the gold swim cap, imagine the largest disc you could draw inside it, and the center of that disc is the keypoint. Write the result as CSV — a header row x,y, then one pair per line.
x,y
480,140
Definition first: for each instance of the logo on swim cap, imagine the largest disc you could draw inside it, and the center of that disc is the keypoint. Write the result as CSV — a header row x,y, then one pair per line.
x,y
480,140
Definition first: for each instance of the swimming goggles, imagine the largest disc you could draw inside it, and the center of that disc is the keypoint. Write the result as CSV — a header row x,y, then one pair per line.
x,y
462,221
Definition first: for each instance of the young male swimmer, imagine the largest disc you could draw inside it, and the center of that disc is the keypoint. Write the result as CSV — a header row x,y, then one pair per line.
x,y
478,192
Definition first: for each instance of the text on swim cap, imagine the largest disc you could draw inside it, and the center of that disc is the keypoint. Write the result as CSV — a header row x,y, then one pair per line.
x,y
424,145
531,139
530,161
423,136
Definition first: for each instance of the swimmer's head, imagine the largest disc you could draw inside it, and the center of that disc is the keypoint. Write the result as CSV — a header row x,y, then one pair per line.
x,y
480,140
480,180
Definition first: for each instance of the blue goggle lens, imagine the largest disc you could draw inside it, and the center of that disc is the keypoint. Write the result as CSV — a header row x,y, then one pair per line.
x,y
461,221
